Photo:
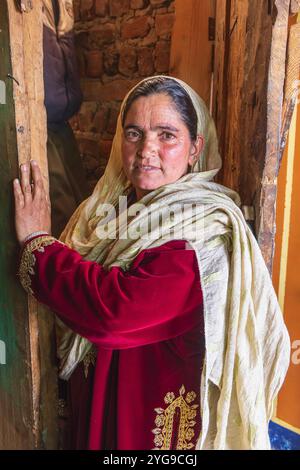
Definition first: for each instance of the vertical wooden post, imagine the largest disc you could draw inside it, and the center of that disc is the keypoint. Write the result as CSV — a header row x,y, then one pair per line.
x,y
244,29
249,74
28,378
192,47
266,204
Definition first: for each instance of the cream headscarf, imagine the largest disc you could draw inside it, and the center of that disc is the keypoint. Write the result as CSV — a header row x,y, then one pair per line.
x,y
247,345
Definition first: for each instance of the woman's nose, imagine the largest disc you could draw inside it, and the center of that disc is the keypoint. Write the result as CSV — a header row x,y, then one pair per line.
x,y
148,147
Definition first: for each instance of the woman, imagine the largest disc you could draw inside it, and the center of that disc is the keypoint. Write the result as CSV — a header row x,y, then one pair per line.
x,y
190,342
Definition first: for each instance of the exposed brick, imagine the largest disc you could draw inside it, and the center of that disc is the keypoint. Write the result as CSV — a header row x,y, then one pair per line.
x,y
86,9
76,9
101,7
162,56
100,120
137,4
164,24
101,35
86,116
94,64
112,122
128,61
111,61
88,146
90,162
73,121
171,8
144,11
80,62
160,11
81,39
113,91
118,7
137,28
150,39
105,148
145,62
159,3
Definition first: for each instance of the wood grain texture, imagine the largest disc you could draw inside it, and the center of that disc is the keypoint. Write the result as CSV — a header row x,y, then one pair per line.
x,y
15,375
243,46
266,203
191,50
249,76
28,385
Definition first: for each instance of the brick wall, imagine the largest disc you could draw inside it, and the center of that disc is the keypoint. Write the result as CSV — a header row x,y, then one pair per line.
x,y
118,43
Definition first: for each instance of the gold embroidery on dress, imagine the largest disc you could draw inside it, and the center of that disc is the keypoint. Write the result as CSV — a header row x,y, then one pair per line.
x,y
164,421
89,359
28,259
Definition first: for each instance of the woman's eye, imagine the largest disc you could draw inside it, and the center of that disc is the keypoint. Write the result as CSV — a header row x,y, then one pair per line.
x,y
133,136
168,136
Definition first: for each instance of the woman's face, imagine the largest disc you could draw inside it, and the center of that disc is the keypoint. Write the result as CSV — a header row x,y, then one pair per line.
x,y
156,144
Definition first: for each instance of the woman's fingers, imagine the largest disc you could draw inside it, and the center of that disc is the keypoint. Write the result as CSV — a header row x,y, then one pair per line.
x,y
18,194
25,182
38,186
27,192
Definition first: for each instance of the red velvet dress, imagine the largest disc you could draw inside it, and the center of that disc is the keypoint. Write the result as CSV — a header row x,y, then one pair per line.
x,y
147,327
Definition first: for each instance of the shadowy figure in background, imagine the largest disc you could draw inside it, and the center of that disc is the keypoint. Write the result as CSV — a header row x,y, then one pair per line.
x,y
63,98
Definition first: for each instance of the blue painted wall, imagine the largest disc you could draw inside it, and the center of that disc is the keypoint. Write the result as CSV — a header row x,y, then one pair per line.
x,y
282,438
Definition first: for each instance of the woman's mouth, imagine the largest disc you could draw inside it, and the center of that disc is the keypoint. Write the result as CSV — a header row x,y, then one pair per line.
x,y
147,168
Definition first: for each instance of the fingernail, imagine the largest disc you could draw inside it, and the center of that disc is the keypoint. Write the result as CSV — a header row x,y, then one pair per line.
x,y
16,181
24,167
34,162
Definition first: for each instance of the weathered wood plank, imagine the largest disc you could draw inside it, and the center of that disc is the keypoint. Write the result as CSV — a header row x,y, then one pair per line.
x,y
248,91
240,109
15,375
220,71
36,426
191,49
266,203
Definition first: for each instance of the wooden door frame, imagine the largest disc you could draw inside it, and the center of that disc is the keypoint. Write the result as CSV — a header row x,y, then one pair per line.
x,y
29,403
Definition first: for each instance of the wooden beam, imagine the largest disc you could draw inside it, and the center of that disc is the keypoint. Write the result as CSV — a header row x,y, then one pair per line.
x,y
26,46
191,46
266,203
249,76
28,379
220,71
243,43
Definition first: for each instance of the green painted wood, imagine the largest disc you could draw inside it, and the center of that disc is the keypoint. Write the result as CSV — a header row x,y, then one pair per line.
x,y
15,376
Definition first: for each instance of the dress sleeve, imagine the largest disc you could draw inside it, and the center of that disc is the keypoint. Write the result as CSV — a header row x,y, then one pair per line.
x,y
157,299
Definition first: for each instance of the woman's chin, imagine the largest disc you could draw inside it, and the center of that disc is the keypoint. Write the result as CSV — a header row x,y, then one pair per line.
x,y
148,182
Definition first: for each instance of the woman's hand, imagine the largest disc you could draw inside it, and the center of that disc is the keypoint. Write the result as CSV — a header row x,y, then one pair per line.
x,y
32,205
